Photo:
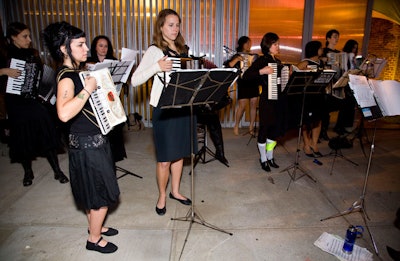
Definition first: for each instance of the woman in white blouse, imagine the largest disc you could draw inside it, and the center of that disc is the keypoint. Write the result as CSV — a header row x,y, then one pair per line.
x,y
171,127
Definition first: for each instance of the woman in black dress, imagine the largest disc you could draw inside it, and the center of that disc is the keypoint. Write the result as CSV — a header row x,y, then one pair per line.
x,y
93,180
272,112
247,89
101,49
32,129
313,104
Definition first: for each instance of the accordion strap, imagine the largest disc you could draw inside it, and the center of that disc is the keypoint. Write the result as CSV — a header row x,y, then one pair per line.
x,y
86,112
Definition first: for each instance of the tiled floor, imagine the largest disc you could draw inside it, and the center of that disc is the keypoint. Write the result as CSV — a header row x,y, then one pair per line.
x,y
270,217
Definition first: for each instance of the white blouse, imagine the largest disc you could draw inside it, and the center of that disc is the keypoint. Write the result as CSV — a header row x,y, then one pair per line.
x,y
147,68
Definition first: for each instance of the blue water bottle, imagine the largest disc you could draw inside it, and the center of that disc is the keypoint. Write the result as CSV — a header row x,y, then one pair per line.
x,y
351,235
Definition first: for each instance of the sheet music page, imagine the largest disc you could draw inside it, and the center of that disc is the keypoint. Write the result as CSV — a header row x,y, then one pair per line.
x,y
388,95
362,92
128,54
98,66
333,244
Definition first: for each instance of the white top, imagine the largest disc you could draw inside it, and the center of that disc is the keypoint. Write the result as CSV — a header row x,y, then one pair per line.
x,y
147,68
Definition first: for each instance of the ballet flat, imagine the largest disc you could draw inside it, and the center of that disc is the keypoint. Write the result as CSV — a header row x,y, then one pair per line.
x,y
108,248
316,153
183,201
161,211
311,155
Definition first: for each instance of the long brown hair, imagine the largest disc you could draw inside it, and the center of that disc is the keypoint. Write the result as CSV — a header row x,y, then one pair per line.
x,y
158,39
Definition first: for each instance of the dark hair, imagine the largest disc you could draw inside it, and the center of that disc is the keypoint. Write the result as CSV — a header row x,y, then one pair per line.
x,y
267,41
329,35
60,34
110,50
158,39
241,42
312,48
348,47
14,29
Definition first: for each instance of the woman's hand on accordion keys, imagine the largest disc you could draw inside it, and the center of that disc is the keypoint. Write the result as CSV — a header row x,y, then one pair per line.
x,y
266,70
13,73
90,84
165,65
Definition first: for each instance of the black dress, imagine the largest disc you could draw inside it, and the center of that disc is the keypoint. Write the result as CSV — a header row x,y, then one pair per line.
x,y
272,113
91,166
246,89
313,103
32,129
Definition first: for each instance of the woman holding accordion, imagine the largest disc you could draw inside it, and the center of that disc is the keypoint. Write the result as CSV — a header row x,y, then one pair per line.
x,y
32,129
272,112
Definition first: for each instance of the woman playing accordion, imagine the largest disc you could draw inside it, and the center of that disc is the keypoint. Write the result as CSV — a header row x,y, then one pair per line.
x,y
272,112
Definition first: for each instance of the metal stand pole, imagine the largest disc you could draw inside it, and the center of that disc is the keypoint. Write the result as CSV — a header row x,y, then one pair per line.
x,y
296,166
358,205
192,216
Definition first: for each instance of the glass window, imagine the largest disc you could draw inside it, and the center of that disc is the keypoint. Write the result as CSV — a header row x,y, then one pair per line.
x,y
348,17
283,17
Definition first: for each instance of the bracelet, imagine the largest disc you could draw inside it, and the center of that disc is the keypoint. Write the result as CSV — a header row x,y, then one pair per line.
x,y
86,91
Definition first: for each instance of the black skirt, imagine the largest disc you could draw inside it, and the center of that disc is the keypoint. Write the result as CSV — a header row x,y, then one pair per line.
x,y
92,173
247,89
171,132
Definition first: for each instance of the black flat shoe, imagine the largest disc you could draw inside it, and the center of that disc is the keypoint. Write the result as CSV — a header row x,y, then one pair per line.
x,y
265,166
110,232
28,178
161,211
183,201
311,155
108,248
272,163
61,177
317,153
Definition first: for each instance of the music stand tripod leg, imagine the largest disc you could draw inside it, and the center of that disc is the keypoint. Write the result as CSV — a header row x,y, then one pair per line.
x,y
359,205
126,172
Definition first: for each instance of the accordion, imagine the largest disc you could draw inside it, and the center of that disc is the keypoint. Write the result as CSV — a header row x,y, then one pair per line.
x,y
277,80
32,83
27,84
105,102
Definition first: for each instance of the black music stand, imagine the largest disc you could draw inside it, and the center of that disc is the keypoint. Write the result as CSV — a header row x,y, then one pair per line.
x,y
120,71
371,113
191,88
304,83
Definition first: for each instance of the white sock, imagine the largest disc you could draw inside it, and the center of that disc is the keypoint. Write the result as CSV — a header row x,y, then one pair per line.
x,y
261,149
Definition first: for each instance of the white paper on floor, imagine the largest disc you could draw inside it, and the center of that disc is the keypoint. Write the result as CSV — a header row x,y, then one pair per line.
x,y
333,244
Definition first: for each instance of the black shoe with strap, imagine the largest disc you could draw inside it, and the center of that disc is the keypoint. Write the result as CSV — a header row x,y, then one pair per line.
x,y
107,249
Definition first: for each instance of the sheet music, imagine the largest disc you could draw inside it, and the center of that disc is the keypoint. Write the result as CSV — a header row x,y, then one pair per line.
x,y
128,54
387,94
362,92
120,70
333,245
